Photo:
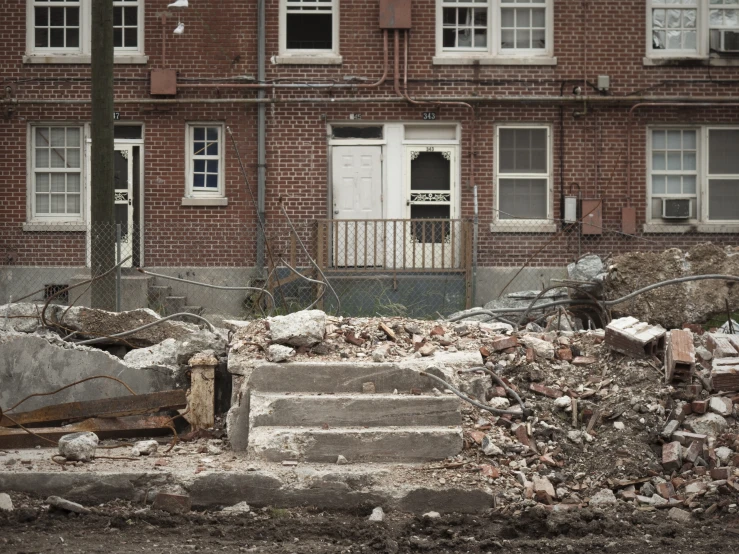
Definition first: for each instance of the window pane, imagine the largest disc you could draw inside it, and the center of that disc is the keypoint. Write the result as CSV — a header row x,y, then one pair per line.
x,y
42,203
723,199
449,38
58,182
506,38
507,18
464,38
117,16
212,166
42,182
212,181
689,140
198,180
41,15
723,154
199,133
689,161
73,157
523,198
450,16
41,39
212,149
73,17
58,205
131,37
198,148
56,38
523,151
56,17
57,158
658,140
658,184
674,140
73,204
674,161
199,166
42,157
481,39
131,16
689,184
117,38
674,184
57,136
658,161
73,182
309,31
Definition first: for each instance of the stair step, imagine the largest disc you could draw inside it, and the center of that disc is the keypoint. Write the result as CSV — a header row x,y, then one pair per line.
x,y
348,410
197,310
338,377
373,444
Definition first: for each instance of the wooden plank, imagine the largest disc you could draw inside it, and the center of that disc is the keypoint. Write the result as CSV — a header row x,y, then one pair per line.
x,y
114,428
104,407
201,397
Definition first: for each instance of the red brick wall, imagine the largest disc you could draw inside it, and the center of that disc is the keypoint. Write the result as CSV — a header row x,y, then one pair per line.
x,y
220,42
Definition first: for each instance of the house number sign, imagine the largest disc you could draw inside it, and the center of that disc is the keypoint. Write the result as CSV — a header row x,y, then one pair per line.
x,y
116,116
428,116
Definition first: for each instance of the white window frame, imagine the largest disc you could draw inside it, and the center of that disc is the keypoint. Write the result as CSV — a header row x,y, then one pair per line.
x,y
703,26
702,223
82,54
196,197
51,219
494,54
294,56
544,225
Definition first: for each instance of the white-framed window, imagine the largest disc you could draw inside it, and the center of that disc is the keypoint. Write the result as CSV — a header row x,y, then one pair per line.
x,y
56,179
523,175
480,29
693,175
205,175
309,30
58,31
692,28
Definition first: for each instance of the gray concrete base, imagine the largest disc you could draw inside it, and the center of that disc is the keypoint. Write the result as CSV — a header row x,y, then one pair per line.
x,y
346,410
324,488
378,444
491,280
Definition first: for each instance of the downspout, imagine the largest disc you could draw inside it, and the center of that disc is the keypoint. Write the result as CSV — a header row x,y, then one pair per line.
x,y
629,128
261,133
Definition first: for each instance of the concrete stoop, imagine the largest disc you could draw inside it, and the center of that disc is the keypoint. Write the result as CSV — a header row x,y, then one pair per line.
x,y
161,300
317,412
326,488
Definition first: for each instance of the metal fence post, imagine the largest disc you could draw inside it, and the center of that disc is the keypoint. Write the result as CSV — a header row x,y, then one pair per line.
x,y
118,269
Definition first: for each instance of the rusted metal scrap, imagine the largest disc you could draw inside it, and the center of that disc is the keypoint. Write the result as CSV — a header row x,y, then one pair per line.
x,y
121,427
103,408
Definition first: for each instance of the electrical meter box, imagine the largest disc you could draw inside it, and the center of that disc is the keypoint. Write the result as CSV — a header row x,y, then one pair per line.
x,y
592,216
395,14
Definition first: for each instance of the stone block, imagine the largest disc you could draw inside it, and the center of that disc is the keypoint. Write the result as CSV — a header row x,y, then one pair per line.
x,y
632,337
672,458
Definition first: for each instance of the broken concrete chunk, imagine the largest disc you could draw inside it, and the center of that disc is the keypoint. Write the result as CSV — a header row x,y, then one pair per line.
x,y
204,358
170,354
145,448
681,516
722,346
67,506
672,456
721,406
6,504
583,360
542,348
489,448
670,428
432,515
708,424
78,446
427,349
24,317
499,403
632,337
240,508
694,450
172,503
278,353
377,515
724,454
587,268
563,403
602,498
304,328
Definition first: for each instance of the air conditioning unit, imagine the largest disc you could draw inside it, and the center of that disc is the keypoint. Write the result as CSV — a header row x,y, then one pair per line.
x,y
676,208
723,40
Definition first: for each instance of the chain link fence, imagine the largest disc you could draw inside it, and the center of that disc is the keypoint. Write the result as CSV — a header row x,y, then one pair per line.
x,y
415,268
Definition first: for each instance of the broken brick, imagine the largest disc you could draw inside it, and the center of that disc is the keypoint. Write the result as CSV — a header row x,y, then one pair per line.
x,y
438,330
685,438
671,456
546,391
699,406
583,360
679,356
172,503
522,435
489,471
530,356
665,490
484,351
694,450
564,354
503,343
720,473
351,338
477,436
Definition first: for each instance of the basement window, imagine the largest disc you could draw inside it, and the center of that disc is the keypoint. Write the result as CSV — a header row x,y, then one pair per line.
x,y
309,30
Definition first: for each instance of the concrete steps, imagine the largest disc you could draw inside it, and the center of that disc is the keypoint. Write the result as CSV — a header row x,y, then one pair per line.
x,y
162,300
315,412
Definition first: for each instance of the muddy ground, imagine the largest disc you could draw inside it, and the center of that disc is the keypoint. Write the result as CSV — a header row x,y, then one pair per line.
x,y
123,527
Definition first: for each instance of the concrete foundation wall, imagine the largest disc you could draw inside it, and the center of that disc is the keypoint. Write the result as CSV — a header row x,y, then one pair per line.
x,y
492,280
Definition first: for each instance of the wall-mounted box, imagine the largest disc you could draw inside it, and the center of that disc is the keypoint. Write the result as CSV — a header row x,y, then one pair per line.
x,y
628,220
395,14
570,209
592,217
163,82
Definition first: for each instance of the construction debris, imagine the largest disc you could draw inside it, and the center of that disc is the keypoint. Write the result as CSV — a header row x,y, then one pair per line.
x,y
632,337
78,446
679,356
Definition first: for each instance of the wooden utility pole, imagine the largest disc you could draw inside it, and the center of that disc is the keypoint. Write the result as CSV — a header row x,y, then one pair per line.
x,y
102,221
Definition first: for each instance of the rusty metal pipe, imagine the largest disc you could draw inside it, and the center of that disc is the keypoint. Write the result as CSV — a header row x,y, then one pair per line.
x,y
630,122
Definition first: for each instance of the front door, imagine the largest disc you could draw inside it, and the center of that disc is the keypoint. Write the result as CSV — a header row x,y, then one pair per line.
x,y
123,178
431,204
357,233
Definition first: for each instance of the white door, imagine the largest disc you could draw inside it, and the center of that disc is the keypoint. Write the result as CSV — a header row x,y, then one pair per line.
x,y
123,210
357,232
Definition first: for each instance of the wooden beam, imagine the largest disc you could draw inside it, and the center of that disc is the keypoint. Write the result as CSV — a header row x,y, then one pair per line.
x,y
102,408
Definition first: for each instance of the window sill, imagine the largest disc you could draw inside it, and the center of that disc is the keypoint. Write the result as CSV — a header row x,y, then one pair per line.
x,y
519,227
82,59
717,228
205,201
494,60
318,59
54,227
702,61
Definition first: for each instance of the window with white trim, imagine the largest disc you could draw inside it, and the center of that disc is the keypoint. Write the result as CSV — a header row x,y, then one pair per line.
x,y
56,173
62,28
692,28
479,28
205,160
309,27
523,175
694,175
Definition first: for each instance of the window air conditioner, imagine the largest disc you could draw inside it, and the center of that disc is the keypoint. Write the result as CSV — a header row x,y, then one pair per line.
x,y
676,208
723,40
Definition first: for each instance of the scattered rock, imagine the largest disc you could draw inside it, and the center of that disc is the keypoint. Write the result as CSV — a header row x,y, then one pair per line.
x,y
721,405
304,328
603,497
377,515
78,446
279,353
341,460
240,508
6,504
145,448
708,424
432,515
172,503
681,516
542,348
59,503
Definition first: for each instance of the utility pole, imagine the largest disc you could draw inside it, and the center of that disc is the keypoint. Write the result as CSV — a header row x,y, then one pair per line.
x,y
102,221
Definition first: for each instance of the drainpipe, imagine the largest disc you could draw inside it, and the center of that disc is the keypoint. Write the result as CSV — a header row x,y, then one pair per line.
x,y
629,127
475,223
261,133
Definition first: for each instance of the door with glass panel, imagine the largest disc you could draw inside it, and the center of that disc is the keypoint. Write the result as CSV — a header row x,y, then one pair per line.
x,y
430,237
123,197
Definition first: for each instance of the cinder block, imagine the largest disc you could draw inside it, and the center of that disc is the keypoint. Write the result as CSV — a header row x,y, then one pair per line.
x,y
632,337
679,356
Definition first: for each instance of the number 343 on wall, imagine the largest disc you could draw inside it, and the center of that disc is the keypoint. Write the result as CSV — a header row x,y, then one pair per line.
x,y
428,116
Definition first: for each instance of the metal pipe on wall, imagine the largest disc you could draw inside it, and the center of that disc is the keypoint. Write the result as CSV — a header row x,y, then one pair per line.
x,y
261,133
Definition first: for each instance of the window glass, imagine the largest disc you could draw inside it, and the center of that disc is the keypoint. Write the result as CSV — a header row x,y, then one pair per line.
x,y
57,177
723,153
309,24
523,151
523,198
723,199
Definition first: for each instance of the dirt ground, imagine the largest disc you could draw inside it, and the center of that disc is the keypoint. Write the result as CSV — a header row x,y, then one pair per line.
x,y
122,527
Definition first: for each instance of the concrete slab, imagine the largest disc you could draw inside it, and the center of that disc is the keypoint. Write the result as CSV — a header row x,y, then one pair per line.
x,y
31,364
378,444
371,410
337,378
399,487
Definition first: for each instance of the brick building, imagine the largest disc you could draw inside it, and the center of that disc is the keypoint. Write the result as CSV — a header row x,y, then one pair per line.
x,y
504,122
